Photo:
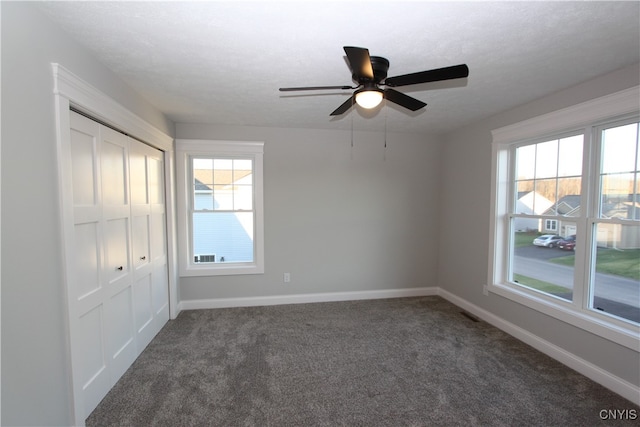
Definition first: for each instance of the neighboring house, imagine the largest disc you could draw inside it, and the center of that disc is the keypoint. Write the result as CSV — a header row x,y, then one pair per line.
x,y
531,203
617,236
567,206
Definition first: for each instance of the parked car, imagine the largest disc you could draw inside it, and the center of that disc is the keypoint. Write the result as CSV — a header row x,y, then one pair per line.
x,y
568,243
547,240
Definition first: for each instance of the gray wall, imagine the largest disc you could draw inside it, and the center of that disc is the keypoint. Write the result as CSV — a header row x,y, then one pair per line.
x,y
336,219
35,384
465,197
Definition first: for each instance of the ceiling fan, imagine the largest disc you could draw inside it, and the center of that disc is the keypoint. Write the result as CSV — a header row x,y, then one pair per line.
x,y
370,72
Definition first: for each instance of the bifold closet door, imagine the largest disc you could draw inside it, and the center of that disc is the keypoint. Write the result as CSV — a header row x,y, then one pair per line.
x,y
102,304
150,288
118,282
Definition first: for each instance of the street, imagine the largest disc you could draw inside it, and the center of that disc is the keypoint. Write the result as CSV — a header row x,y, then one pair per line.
x,y
532,261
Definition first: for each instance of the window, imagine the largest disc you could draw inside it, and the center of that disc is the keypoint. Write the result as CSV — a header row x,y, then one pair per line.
x,y
220,213
565,235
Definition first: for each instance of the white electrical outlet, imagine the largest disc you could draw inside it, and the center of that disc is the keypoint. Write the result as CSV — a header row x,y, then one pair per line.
x,y
287,277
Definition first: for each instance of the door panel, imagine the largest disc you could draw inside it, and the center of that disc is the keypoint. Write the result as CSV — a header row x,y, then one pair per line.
x,y
138,170
113,162
156,182
122,349
141,256
87,261
93,365
83,161
117,249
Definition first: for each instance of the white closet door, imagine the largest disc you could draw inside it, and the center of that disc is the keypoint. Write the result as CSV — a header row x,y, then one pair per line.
x,y
119,281
158,241
151,297
86,282
102,301
118,271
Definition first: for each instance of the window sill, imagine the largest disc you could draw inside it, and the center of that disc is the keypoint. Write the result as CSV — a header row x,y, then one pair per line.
x,y
221,269
616,331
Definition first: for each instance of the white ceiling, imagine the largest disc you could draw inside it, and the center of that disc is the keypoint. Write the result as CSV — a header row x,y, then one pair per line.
x,y
222,62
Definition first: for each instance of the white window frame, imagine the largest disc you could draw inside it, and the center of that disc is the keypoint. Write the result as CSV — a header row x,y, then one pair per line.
x,y
551,225
185,149
584,117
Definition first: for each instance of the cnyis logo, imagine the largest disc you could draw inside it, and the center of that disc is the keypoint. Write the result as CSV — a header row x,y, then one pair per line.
x,y
618,414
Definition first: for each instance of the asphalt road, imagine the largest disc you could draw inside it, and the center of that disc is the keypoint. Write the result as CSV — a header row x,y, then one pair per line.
x,y
533,261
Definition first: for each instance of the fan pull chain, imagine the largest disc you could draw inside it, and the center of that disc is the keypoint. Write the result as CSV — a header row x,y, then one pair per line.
x,y
385,131
352,113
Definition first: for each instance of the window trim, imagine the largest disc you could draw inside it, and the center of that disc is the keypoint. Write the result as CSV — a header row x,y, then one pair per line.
x,y
185,149
587,116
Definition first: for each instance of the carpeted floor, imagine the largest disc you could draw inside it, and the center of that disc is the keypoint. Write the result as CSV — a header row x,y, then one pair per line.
x,y
395,362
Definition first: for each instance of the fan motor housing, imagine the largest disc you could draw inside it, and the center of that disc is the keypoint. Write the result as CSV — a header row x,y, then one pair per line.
x,y
380,67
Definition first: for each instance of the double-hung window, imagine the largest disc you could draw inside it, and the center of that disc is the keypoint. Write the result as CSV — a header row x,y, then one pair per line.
x,y
565,231
220,212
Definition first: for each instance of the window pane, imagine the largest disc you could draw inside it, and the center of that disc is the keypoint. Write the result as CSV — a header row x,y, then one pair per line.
x,y
619,147
202,200
243,197
526,162
616,281
545,195
227,235
547,159
617,196
543,266
223,171
202,171
570,156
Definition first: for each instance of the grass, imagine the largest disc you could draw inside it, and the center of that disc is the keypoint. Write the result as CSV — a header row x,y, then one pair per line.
x,y
540,285
625,263
525,238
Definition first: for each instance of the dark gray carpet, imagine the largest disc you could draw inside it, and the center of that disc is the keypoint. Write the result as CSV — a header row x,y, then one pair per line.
x,y
395,362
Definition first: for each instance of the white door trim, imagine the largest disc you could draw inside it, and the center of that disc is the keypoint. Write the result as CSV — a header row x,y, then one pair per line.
x,y
70,90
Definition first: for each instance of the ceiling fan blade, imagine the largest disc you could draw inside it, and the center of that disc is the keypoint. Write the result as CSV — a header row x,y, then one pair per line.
x,y
291,89
344,107
403,100
360,62
446,73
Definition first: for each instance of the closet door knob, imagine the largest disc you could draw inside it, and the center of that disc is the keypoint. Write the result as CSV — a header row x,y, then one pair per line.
x,y
143,258
119,268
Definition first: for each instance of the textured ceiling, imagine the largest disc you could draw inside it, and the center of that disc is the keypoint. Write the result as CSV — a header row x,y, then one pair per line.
x,y
223,62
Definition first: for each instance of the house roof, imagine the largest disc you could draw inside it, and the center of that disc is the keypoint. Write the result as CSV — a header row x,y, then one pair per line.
x,y
222,62
206,178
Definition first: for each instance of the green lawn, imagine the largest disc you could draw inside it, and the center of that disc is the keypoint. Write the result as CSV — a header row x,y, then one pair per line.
x,y
524,239
625,263
540,285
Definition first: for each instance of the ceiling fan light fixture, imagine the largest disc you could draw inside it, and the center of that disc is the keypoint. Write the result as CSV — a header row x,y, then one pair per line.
x,y
369,98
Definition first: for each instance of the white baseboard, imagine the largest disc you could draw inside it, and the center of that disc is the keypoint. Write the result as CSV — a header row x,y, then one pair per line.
x,y
617,385
305,298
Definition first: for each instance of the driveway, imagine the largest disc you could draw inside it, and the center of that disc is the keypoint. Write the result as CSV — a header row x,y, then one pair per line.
x,y
538,252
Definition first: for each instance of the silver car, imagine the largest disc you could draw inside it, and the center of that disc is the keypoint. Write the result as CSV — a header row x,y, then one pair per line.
x,y
547,240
